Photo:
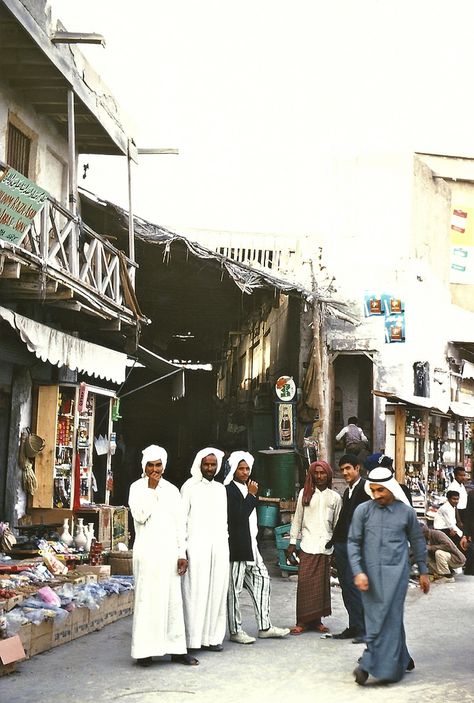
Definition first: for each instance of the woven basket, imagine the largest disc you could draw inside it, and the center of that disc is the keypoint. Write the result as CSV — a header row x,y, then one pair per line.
x,y
121,563
33,444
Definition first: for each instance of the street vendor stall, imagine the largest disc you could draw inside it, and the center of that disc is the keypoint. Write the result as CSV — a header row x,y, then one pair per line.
x,y
427,442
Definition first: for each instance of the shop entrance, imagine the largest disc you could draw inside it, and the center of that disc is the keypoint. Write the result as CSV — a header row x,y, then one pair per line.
x,y
353,383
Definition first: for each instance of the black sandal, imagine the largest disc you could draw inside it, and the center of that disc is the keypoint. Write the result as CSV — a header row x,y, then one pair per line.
x,y
184,659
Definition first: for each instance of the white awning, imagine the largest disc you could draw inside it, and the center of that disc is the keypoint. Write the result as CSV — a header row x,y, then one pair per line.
x,y
467,369
414,400
63,349
462,409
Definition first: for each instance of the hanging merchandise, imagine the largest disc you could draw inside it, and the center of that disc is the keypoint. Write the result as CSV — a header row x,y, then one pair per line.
x,y
28,478
113,443
101,445
83,393
116,410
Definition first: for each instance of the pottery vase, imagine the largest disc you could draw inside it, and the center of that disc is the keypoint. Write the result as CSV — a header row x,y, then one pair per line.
x,y
65,536
89,530
80,538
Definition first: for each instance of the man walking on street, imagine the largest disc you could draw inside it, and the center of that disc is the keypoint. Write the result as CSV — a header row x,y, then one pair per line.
x,y
159,561
354,495
206,580
380,533
247,568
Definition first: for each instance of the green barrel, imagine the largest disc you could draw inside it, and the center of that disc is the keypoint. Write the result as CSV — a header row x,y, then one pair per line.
x,y
279,474
268,514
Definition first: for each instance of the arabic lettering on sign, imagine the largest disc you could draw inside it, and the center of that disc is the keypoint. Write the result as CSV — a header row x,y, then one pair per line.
x,y
20,202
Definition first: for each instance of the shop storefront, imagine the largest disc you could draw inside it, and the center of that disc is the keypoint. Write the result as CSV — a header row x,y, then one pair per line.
x,y
427,442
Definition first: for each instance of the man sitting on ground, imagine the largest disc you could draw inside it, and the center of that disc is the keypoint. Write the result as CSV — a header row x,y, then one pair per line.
x,y
443,555
447,520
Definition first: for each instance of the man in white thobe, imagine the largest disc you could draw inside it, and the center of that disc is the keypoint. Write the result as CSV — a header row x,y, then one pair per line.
x,y
159,561
206,580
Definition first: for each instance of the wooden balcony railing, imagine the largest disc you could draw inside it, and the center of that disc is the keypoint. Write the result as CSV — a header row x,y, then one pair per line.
x,y
70,251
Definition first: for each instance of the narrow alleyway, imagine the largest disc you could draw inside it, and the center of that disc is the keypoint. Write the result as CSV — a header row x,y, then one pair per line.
x,y
98,667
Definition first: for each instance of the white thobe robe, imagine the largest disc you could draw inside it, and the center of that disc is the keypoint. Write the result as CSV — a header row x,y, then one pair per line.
x,y
206,581
158,622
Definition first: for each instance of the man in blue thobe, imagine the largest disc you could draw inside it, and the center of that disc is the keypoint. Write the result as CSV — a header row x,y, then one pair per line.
x,y
378,540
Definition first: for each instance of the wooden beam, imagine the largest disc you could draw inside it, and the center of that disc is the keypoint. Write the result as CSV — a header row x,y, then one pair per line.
x,y
28,286
11,270
25,83
60,57
111,326
400,429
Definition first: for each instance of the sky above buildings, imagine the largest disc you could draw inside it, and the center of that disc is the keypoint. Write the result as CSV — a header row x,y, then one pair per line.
x,y
266,100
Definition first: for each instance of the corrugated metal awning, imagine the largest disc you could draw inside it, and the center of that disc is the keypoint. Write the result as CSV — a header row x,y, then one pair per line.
x,y
62,349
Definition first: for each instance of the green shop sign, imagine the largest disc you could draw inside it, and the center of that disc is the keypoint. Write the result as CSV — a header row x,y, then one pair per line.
x,y
20,202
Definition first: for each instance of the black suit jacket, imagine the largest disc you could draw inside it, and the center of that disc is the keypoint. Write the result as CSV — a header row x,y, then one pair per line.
x,y
238,513
359,496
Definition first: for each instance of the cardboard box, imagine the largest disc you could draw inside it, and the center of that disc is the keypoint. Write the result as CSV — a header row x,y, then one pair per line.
x,y
96,620
109,607
11,651
80,622
102,571
125,604
24,634
41,637
12,602
62,631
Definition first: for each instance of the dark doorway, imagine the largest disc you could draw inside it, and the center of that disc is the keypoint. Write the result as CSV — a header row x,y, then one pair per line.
x,y
353,383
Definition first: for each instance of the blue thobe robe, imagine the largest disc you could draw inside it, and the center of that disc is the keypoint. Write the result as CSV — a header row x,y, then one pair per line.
x,y
378,546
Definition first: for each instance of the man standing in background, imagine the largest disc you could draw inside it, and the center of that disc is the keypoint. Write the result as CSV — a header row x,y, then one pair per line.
x,y
206,580
354,495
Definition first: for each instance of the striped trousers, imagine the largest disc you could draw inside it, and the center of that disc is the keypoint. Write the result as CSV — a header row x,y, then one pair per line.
x,y
255,579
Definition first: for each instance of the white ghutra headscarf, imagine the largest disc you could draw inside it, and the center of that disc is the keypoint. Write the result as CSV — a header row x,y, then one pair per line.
x,y
153,453
383,476
234,460
196,467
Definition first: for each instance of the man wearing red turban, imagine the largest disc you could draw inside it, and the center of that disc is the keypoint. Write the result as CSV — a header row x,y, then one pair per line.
x,y
317,511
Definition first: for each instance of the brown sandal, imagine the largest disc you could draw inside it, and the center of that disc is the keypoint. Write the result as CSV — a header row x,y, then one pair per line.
x,y
298,630
320,628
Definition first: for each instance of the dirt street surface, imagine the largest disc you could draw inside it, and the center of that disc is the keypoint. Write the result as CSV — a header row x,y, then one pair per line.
x,y
306,668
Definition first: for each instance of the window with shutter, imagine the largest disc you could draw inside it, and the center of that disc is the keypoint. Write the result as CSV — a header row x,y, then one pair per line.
x,y
18,150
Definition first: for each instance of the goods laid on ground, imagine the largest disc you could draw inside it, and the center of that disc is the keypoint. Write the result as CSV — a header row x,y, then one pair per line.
x,y
41,609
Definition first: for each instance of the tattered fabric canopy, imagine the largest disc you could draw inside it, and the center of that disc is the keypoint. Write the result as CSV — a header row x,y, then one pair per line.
x,y
62,349
197,297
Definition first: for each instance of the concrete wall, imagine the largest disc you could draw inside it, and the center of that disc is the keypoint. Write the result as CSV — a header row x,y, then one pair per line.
x,y
269,349
49,154
431,215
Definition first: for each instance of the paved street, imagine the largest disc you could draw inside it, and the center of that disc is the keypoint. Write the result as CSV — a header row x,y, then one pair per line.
x,y
98,667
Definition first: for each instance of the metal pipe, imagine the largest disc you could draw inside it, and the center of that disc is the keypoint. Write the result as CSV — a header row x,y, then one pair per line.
x,y
131,230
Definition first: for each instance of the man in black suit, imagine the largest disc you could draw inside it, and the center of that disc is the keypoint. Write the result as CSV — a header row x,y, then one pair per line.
x,y
247,568
353,496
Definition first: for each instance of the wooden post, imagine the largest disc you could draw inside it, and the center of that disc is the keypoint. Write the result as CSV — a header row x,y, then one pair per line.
x,y
400,428
74,236
320,377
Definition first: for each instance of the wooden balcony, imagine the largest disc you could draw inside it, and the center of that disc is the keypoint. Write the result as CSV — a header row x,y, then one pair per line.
x,y
62,262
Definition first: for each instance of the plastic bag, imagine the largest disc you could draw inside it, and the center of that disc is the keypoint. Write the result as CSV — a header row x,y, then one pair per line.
x,y
49,597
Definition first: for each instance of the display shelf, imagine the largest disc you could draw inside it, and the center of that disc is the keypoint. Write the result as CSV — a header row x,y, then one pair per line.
x,y
65,418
